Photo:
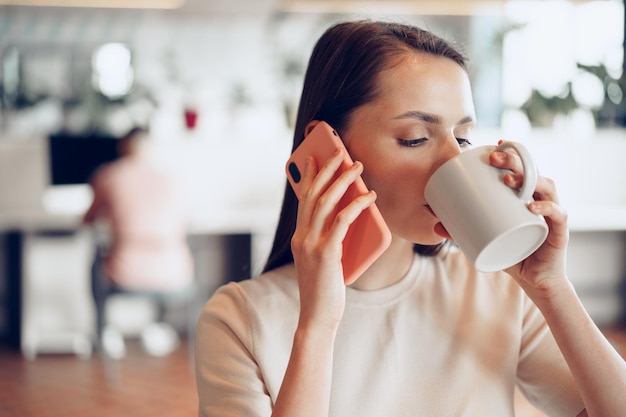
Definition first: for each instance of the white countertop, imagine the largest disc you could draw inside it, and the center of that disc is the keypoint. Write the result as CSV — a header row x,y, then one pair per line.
x,y
263,221
253,221
587,219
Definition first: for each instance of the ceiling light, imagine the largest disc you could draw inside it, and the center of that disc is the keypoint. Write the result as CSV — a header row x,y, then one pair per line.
x,y
125,4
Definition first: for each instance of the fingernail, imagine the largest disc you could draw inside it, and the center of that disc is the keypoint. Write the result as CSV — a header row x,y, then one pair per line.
x,y
535,207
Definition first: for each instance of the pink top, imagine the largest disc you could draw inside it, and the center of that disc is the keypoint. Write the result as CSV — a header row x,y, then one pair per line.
x,y
147,218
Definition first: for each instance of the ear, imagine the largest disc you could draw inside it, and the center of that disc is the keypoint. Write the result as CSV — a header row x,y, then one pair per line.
x,y
310,126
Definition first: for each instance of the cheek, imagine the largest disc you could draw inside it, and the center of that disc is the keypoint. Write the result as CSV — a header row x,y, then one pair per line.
x,y
377,178
400,188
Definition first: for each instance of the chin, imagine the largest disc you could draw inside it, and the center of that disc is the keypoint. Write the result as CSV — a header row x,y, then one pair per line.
x,y
431,242
426,238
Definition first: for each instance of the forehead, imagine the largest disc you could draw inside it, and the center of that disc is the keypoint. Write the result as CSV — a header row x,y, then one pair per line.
x,y
424,82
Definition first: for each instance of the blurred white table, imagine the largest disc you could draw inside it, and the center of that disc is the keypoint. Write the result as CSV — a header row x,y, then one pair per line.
x,y
229,244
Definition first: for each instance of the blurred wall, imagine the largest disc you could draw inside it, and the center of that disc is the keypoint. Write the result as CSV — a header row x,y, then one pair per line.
x,y
242,73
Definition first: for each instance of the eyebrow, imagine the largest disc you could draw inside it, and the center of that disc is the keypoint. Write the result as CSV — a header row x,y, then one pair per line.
x,y
429,118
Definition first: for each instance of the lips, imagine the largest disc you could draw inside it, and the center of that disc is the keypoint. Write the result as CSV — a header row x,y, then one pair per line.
x,y
441,231
439,227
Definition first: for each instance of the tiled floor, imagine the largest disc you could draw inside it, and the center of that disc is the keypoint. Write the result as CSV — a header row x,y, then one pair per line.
x,y
65,386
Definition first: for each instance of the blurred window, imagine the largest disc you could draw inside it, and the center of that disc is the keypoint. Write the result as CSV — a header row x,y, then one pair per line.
x,y
563,61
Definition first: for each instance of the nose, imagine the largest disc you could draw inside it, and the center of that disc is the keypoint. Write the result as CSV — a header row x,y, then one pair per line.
x,y
448,149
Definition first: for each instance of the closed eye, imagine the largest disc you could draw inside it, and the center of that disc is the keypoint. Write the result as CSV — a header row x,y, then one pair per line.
x,y
411,143
463,142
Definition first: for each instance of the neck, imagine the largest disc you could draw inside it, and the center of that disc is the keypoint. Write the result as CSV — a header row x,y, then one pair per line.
x,y
389,268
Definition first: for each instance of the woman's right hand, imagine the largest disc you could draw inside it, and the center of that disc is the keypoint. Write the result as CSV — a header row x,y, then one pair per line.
x,y
317,241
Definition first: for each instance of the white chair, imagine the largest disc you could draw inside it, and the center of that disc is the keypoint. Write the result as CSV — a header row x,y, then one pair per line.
x,y
103,292
57,307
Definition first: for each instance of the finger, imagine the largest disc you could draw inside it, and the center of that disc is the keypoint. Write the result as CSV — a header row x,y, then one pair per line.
x,y
314,182
546,190
327,203
347,216
508,159
514,180
322,178
556,217
305,194
310,171
309,242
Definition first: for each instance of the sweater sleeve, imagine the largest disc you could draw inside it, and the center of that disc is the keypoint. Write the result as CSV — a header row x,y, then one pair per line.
x,y
542,374
228,378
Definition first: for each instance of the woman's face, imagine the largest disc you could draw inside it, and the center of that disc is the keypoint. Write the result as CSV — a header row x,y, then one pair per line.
x,y
422,117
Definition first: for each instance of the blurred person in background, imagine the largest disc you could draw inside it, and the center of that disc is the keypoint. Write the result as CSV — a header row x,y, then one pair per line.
x,y
143,208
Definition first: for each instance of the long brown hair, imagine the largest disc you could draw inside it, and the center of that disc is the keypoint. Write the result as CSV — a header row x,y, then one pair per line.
x,y
341,76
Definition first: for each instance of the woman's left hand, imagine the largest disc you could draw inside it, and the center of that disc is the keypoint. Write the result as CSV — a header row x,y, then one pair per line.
x,y
544,270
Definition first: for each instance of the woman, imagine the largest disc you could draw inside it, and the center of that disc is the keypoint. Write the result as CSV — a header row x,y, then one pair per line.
x,y
421,332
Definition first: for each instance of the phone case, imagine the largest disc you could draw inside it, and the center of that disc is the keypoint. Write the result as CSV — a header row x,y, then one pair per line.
x,y
368,236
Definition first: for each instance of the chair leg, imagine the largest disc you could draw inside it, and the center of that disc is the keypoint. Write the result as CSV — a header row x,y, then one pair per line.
x,y
100,294
191,333
110,365
161,310
99,297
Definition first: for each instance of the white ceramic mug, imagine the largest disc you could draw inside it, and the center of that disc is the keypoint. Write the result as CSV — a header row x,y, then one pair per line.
x,y
489,221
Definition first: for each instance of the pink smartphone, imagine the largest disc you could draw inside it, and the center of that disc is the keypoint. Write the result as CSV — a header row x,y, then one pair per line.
x,y
368,236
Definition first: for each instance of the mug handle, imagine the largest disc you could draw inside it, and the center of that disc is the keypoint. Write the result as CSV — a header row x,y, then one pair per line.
x,y
530,170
